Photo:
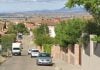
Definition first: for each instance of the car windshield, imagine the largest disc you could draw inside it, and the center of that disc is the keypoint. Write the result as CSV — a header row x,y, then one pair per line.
x,y
35,50
16,48
44,55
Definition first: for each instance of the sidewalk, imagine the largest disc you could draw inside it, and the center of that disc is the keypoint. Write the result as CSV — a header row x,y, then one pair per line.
x,y
61,65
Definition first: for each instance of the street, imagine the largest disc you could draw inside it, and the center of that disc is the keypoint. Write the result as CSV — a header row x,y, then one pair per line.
x,y
23,62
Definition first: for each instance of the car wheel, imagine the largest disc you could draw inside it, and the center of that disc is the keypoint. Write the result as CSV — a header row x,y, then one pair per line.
x,y
12,54
51,64
20,54
37,63
31,56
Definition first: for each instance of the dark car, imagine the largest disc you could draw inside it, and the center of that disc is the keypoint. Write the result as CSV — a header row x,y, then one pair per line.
x,y
20,36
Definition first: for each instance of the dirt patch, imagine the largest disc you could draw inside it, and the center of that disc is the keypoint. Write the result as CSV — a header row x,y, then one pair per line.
x,y
2,59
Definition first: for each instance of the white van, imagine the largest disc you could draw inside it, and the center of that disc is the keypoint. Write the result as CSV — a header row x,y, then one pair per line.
x,y
16,48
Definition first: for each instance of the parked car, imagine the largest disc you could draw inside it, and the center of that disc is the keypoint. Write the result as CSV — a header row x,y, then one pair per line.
x,y
20,36
34,52
44,59
29,51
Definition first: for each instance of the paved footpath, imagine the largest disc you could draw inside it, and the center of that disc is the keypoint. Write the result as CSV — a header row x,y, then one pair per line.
x,y
61,65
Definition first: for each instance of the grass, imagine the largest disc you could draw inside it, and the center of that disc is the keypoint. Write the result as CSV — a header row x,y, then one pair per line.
x,y
47,48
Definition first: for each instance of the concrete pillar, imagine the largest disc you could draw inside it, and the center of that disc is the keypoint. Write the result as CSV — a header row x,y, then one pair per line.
x,y
52,52
55,52
0,48
76,54
91,45
61,55
82,50
69,51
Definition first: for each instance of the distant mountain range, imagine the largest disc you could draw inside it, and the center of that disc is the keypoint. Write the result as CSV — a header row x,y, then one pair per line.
x,y
61,10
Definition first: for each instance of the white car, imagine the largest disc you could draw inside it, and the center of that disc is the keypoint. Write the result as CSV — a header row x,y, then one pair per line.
x,y
29,51
34,52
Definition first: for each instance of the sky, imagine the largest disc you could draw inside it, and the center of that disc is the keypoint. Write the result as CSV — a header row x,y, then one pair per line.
x,y
30,5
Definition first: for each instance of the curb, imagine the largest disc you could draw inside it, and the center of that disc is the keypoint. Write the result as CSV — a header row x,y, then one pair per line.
x,y
58,68
56,65
2,62
5,59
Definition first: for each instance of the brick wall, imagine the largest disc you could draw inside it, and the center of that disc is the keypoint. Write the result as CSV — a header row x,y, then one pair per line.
x,y
56,52
69,57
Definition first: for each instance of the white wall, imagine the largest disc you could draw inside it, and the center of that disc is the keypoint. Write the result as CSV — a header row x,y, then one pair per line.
x,y
52,31
0,47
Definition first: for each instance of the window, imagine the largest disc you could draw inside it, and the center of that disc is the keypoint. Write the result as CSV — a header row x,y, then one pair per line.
x,y
16,48
44,55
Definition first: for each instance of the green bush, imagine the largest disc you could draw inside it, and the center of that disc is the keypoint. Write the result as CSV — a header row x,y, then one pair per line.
x,y
6,41
42,37
69,32
21,28
11,29
47,48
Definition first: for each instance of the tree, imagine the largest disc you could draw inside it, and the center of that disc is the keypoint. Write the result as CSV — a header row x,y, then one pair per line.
x,y
68,33
6,41
11,29
42,37
40,33
21,28
92,28
92,6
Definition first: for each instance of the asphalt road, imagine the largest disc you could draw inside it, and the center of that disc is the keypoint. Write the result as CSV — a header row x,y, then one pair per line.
x,y
24,62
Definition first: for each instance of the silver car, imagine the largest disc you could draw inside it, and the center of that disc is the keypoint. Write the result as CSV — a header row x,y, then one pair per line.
x,y
44,59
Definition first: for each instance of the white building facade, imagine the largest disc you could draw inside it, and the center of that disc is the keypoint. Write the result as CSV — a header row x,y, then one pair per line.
x,y
52,31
